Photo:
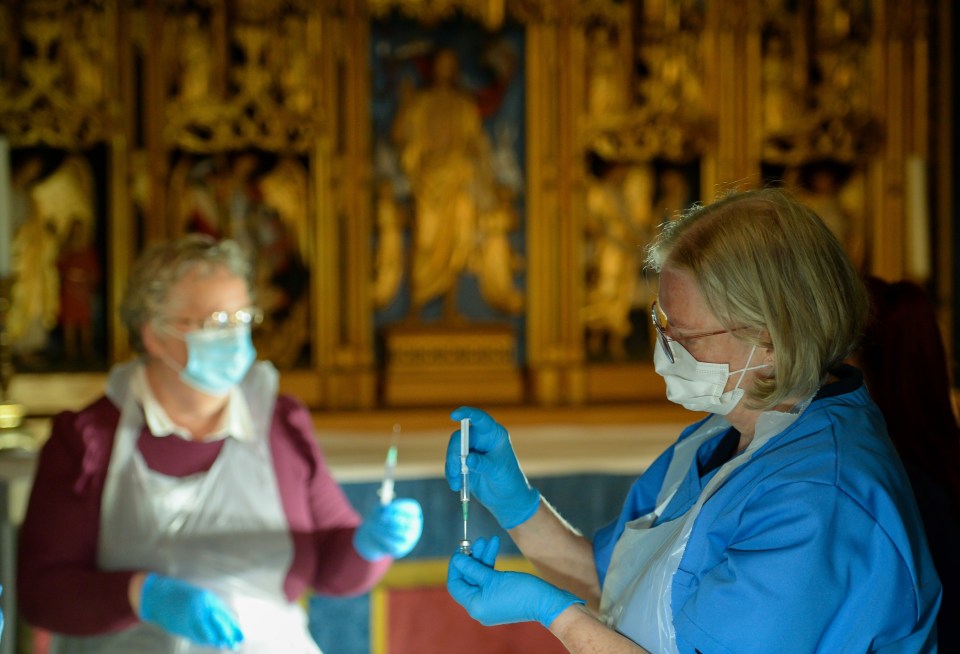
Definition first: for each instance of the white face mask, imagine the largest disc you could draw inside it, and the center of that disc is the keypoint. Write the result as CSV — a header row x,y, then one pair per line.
x,y
699,386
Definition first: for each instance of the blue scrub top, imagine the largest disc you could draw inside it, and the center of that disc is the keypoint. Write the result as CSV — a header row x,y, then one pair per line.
x,y
814,545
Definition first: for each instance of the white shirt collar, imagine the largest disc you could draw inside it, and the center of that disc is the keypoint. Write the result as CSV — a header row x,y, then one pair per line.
x,y
235,420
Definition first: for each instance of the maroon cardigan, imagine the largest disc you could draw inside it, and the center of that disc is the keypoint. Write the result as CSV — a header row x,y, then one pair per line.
x,y
60,587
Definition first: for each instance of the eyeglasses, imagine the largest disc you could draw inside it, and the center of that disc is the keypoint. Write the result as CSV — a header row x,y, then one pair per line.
x,y
660,323
248,316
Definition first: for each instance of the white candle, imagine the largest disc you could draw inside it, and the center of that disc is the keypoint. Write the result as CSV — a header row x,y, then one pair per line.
x,y
6,208
918,264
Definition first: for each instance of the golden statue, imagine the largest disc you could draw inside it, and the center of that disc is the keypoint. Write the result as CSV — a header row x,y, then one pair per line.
x,y
495,262
85,56
780,98
388,265
445,154
294,70
195,60
606,75
618,226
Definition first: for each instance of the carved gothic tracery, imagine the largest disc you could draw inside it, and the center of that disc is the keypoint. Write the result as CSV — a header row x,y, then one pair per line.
x,y
253,119
57,92
264,100
817,82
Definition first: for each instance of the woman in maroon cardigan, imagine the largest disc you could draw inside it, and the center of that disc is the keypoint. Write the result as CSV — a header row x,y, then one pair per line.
x,y
190,507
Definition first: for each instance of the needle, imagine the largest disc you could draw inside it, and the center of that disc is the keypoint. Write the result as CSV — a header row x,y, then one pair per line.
x,y
386,486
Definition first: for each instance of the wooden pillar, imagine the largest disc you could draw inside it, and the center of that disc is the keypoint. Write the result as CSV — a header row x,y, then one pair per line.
x,y
554,214
733,74
344,330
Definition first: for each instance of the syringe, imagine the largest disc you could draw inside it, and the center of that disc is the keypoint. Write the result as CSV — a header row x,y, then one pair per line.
x,y
465,487
386,486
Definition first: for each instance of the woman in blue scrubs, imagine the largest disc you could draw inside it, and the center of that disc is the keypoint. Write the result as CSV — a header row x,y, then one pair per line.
x,y
783,521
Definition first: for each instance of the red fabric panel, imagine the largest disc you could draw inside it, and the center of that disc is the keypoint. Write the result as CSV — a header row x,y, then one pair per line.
x,y
428,620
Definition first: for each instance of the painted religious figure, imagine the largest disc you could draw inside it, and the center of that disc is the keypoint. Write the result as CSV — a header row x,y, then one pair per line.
x,y
260,201
78,265
53,204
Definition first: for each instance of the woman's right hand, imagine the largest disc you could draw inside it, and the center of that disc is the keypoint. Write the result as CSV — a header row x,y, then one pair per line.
x,y
495,477
188,611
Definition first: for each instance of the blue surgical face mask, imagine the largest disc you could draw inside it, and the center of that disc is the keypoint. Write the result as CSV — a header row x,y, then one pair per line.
x,y
217,359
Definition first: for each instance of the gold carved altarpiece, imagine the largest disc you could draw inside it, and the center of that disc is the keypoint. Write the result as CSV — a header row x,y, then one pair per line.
x,y
194,100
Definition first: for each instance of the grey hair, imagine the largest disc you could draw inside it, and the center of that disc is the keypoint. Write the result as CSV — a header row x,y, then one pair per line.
x,y
163,265
763,260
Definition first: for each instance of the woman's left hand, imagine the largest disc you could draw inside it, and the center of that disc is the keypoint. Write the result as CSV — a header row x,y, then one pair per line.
x,y
492,597
391,530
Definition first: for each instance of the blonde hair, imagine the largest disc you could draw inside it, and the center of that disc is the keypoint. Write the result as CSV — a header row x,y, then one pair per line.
x,y
763,260
163,265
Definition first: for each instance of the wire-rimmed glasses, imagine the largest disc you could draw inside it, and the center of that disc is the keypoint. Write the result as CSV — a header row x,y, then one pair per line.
x,y
660,323
218,320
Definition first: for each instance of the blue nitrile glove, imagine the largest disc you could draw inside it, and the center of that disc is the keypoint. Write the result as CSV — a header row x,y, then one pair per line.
x,y
1,617
391,530
492,597
495,477
189,611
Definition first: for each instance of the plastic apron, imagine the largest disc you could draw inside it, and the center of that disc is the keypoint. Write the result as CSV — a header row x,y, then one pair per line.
x,y
224,529
638,590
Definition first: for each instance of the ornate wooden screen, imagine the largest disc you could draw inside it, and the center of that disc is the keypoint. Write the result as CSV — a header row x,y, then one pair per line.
x,y
509,271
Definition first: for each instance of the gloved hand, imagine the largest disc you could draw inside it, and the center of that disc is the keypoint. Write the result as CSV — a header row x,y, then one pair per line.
x,y
186,610
391,530
492,597
495,479
1,617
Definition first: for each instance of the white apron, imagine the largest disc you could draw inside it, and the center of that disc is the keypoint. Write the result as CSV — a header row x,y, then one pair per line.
x,y
224,530
637,591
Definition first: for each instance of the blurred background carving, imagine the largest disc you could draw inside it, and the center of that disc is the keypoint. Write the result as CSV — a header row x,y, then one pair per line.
x,y
428,185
